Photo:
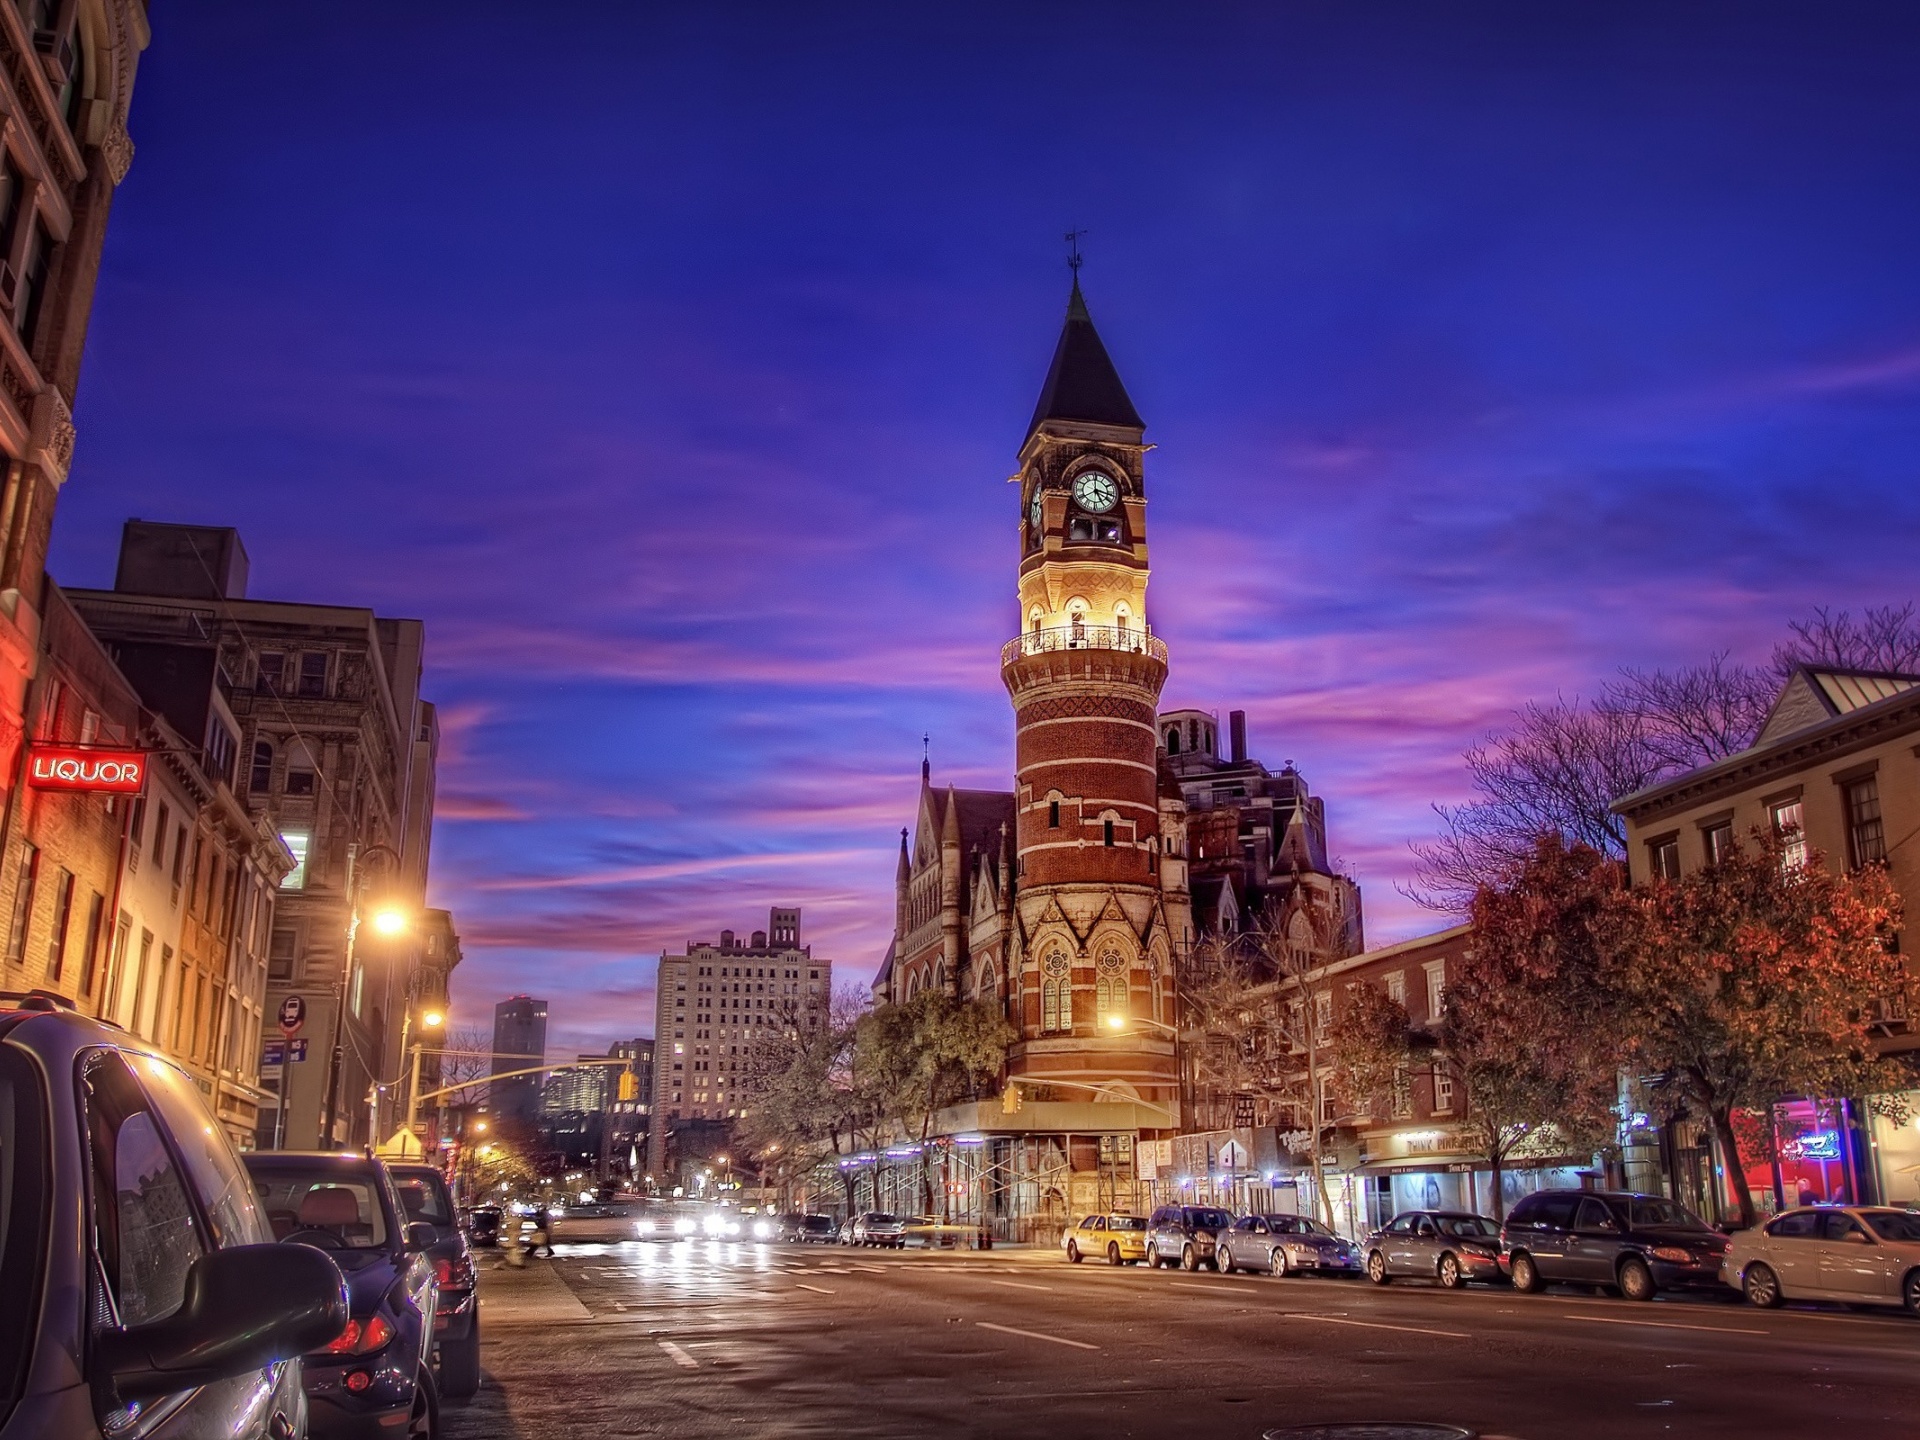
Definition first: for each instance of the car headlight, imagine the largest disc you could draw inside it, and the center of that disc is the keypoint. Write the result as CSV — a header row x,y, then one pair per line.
x,y
729,1227
1673,1253
762,1230
645,1227
683,1227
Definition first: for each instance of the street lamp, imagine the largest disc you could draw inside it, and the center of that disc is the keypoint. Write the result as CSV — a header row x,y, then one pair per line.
x,y
387,916
432,1019
1118,1021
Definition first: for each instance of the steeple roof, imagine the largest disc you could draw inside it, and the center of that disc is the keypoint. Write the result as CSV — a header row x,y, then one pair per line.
x,y
1082,383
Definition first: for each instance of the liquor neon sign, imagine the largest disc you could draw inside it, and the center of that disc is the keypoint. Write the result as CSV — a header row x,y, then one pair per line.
x,y
63,767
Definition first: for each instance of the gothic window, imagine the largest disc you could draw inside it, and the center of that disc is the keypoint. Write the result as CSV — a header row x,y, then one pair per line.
x,y
1173,740
1056,993
1110,991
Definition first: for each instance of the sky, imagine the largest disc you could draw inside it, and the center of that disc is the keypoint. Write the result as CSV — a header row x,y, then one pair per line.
x,y
669,360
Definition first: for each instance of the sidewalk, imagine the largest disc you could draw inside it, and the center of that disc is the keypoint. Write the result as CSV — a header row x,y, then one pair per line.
x,y
532,1295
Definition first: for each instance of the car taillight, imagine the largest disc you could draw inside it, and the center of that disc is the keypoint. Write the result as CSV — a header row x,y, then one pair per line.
x,y
1673,1253
361,1337
454,1274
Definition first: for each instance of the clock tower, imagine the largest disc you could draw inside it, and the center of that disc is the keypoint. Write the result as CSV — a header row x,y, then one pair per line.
x,y
1100,880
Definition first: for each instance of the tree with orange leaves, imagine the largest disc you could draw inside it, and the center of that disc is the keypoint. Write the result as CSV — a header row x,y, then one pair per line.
x,y
1753,979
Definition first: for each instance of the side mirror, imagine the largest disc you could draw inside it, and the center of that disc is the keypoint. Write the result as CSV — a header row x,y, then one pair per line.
x,y
243,1309
420,1235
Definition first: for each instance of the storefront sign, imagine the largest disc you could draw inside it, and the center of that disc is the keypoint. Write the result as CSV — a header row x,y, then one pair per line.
x,y
67,767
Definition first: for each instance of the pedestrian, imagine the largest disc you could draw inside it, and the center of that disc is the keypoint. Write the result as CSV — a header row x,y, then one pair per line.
x,y
543,1231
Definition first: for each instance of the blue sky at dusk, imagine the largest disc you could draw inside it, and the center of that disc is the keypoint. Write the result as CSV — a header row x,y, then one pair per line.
x,y
669,361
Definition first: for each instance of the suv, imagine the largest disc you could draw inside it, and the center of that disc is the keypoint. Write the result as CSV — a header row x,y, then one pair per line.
x,y
140,1287
1184,1235
376,1378
456,1321
1641,1244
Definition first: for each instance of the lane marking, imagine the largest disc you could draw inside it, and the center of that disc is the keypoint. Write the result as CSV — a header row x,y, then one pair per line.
x,y
815,1288
873,1269
680,1357
1189,1285
1035,1335
1376,1325
1021,1285
1666,1325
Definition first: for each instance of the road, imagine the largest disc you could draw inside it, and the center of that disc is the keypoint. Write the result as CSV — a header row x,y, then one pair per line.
x,y
626,1338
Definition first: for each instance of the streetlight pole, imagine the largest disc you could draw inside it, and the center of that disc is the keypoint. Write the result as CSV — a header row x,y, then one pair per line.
x,y
336,1055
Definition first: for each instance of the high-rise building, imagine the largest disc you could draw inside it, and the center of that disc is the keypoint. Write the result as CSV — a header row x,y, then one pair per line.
x,y
519,1043
315,710
712,1004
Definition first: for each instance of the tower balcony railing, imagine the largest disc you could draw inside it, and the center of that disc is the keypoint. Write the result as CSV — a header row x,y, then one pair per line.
x,y
1128,639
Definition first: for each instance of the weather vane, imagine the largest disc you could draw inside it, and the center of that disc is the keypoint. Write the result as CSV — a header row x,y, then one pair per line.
x,y
1074,258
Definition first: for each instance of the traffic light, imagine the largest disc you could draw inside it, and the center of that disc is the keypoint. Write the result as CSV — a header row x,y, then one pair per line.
x,y
1010,1099
629,1085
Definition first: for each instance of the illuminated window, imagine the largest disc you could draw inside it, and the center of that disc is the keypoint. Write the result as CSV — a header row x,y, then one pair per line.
x,y
1110,989
1790,827
1056,994
296,842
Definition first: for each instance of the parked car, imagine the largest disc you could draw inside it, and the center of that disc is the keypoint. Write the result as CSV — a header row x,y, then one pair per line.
x,y
142,1288
1116,1239
1451,1246
1184,1235
1639,1244
376,1378
876,1227
425,1200
482,1224
808,1229
1858,1254
845,1235
1285,1245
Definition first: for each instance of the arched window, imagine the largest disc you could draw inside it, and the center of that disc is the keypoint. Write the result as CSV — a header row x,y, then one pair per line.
x,y
260,780
1056,993
1173,740
1110,990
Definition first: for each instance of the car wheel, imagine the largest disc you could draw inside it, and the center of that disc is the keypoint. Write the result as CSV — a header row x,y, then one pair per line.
x,y
1223,1261
1189,1259
1073,1252
1113,1253
1277,1263
1526,1275
1636,1280
460,1363
1910,1292
1377,1268
1762,1287
423,1421
1449,1273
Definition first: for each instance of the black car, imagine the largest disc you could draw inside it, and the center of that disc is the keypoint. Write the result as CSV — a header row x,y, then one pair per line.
x,y
1184,1235
425,1199
809,1229
141,1293
1638,1244
482,1224
377,1377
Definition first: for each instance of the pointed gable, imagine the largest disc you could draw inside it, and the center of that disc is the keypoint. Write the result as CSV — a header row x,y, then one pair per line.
x,y
1082,383
1815,694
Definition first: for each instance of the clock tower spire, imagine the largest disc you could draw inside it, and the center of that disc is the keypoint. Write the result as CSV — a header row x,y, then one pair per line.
x,y
1101,892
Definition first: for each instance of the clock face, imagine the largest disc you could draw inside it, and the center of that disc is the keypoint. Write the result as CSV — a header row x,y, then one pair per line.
x,y
1095,492
1036,510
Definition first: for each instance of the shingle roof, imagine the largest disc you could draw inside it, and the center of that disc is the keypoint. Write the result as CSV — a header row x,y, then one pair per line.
x,y
1082,383
982,813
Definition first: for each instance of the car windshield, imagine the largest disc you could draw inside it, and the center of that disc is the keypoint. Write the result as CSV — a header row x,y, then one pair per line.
x,y
1210,1219
424,1198
1649,1210
1127,1222
1901,1225
329,1206
1468,1227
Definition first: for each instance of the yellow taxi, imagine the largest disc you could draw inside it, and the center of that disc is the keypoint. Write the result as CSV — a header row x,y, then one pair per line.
x,y
1116,1239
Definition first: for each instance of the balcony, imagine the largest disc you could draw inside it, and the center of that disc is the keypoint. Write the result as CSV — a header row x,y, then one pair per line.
x,y
1121,638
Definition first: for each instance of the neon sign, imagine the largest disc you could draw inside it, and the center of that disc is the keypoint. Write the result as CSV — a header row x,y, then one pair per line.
x,y
66,767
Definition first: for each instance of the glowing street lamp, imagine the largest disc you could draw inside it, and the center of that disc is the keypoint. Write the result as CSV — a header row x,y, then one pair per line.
x,y
1121,1022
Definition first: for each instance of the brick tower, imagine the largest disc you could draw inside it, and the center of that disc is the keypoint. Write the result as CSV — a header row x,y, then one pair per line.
x,y
1101,881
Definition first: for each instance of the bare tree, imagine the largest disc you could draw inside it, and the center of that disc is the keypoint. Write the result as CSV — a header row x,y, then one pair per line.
x,y
465,1067
1694,716
1886,637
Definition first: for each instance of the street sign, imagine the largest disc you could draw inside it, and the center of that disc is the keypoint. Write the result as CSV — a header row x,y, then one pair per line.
x,y
293,1014
275,1053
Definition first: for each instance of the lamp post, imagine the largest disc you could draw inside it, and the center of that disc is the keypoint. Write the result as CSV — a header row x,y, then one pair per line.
x,y
389,921
430,1019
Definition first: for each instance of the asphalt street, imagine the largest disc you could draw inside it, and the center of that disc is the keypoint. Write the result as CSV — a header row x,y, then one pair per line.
x,y
620,1337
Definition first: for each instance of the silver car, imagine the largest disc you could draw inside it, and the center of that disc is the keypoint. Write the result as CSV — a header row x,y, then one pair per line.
x,y
1451,1246
1857,1254
1284,1245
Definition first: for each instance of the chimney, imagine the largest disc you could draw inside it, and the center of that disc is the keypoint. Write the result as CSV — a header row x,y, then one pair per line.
x,y
1237,728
